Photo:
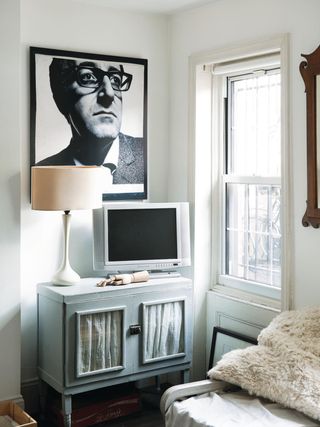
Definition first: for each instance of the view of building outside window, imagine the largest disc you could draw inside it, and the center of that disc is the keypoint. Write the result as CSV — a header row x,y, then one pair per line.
x,y
252,178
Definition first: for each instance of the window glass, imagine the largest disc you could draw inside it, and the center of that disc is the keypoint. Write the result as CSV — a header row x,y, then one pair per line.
x,y
253,238
251,184
254,133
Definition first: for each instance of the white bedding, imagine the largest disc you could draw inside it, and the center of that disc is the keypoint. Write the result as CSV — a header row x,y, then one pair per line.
x,y
233,409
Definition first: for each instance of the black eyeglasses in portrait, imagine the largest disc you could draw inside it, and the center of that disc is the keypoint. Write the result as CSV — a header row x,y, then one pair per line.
x,y
92,77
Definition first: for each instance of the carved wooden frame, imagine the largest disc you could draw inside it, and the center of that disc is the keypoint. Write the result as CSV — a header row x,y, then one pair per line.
x,y
309,69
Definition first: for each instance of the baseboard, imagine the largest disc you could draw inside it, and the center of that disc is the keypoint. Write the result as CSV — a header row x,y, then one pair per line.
x,y
16,399
30,393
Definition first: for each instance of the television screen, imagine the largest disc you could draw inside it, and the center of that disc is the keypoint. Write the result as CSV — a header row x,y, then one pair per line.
x,y
142,234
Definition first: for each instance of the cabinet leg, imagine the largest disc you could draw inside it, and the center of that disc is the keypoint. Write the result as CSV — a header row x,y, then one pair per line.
x,y
185,376
158,383
66,409
67,420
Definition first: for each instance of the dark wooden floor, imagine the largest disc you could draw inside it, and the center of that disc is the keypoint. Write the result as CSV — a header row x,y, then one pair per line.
x,y
148,416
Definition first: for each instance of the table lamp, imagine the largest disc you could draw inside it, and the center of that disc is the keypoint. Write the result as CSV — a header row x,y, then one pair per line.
x,y
66,188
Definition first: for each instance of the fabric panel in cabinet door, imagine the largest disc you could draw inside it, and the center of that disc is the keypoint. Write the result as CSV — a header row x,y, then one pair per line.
x,y
96,345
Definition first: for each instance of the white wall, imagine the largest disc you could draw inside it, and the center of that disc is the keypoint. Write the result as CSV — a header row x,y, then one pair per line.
x,y
226,23
10,201
71,25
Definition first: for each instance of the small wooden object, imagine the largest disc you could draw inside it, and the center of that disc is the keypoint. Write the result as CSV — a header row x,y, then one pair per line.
x,y
125,279
17,414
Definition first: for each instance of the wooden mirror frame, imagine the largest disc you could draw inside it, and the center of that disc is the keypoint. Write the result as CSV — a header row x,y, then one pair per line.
x,y
310,69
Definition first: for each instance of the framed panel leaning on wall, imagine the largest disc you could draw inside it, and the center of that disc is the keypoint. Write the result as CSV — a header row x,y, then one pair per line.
x,y
224,340
91,109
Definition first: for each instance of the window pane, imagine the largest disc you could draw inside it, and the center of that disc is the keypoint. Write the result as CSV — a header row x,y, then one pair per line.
x,y
254,133
253,240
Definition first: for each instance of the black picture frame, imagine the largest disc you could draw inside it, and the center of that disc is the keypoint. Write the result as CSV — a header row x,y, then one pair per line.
x,y
50,132
238,338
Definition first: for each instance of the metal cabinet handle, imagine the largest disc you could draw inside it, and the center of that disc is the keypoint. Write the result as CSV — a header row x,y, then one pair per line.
x,y
135,329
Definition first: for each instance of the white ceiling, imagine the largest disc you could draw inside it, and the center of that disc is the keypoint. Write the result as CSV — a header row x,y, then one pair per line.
x,y
153,6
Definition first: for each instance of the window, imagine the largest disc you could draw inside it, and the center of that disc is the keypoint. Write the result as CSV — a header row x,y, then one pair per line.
x,y
240,180
250,176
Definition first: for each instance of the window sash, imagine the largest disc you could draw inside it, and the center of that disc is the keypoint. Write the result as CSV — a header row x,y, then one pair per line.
x,y
258,180
251,286
247,108
252,233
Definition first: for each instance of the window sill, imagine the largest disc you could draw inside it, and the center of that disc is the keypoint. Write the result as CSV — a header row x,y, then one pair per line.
x,y
254,299
250,287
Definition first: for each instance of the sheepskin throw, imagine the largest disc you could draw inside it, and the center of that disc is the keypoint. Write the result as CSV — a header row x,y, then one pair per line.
x,y
285,365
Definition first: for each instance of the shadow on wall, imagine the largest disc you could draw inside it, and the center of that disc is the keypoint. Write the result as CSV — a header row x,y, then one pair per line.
x,y
81,243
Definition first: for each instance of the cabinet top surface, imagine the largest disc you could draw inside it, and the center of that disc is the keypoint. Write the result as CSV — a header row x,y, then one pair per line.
x,y
88,286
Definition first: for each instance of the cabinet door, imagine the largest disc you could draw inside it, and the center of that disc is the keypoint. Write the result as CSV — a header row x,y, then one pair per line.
x,y
163,330
166,331
96,341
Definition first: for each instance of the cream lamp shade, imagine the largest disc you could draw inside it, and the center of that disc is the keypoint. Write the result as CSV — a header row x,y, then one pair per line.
x,y
66,188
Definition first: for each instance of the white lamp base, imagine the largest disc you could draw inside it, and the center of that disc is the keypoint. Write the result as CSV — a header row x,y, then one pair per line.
x,y
66,276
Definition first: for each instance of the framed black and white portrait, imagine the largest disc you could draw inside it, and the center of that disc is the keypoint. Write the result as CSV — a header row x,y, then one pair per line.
x,y
91,109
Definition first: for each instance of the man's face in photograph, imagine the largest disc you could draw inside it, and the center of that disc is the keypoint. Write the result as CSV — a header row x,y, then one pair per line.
x,y
89,94
96,110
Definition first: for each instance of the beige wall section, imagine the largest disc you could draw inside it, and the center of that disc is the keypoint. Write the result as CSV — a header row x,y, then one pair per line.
x,y
10,200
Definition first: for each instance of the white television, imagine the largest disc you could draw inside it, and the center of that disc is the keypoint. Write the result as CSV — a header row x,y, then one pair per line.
x,y
139,236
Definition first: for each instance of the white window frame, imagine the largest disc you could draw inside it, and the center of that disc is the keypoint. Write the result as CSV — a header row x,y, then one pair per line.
x,y
247,66
262,294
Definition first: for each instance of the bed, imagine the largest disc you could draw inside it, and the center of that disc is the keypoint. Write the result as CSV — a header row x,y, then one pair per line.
x,y
217,404
276,383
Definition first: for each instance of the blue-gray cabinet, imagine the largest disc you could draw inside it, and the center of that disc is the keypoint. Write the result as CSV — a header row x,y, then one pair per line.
x,y
91,337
